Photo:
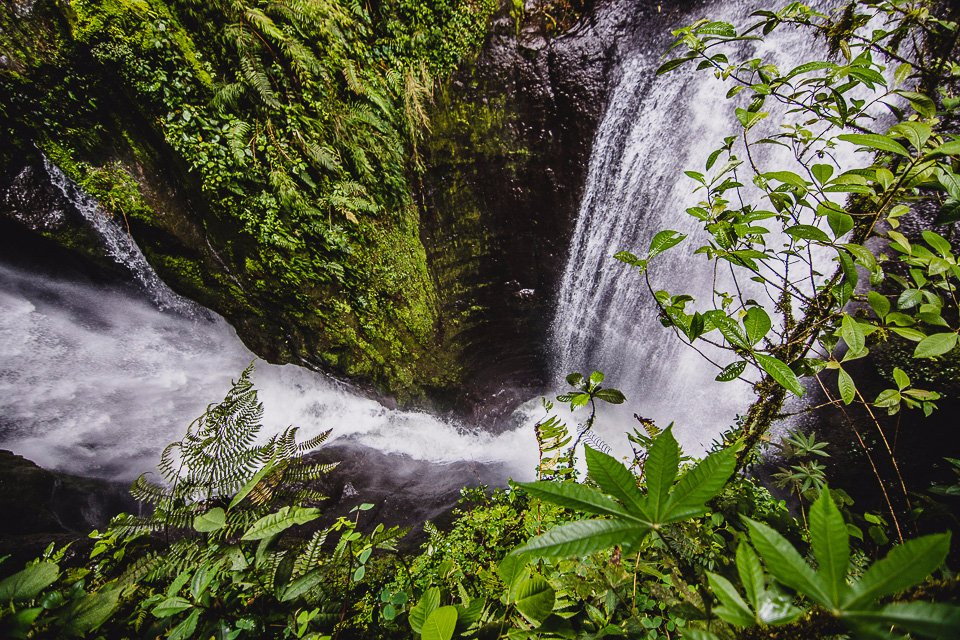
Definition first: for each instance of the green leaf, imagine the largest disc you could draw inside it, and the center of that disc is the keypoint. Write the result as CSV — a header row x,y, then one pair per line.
x,y
916,133
700,484
938,242
280,521
664,240
659,471
879,303
534,598
615,479
787,177
848,390
574,496
733,609
901,378
440,625
171,607
931,619
906,565
875,141
784,562
728,327
852,334
670,65
732,371
250,484
831,546
751,573
613,396
822,172
212,520
301,585
949,213
27,584
921,103
757,323
583,537
840,222
935,345
808,232
780,372
91,611
186,628
419,613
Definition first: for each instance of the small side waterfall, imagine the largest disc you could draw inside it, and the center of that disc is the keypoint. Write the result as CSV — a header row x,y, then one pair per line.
x,y
96,379
118,244
653,130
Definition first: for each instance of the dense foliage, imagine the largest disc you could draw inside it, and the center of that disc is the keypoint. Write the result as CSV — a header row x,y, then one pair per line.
x,y
664,545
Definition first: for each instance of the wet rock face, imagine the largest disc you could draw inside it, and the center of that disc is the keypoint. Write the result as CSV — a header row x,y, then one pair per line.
x,y
42,506
506,166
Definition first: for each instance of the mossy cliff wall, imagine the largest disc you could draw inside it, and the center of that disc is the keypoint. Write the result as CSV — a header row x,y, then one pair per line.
x,y
291,171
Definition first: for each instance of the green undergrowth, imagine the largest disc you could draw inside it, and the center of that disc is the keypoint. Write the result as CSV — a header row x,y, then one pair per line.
x,y
288,132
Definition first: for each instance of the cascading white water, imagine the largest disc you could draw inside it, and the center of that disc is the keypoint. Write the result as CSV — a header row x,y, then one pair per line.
x,y
653,130
96,379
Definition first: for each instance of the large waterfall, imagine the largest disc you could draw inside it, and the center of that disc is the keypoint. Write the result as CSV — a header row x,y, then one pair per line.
x,y
96,379
653,130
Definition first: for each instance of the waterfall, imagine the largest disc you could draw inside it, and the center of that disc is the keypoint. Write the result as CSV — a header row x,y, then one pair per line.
x,y
118,243
653,130
97,378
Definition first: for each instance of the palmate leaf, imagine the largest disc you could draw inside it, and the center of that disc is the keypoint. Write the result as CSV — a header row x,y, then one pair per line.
x,y
785,563
615,479
583,537
700,484
660,470
831,546
906,565
575,496
733,609
931,619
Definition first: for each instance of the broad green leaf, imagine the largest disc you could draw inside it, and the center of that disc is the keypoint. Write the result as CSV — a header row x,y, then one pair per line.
x,y
951,182
534,598
728,327
186,628
916,133
808,232
91,611
938,242
875,141
935,345
949,213
419,613
780,372
280,521
852,333
840,222
301,585
670,65
440,624
822,172
901,378
831,545
212,520
664,240
751,573
931,619
848,390
613,396
879,303
250,484
615,479
700,484
582,537
732,371
784,562
171,607
787,177
757,323
510,569
906,565
574,496
659,471
27,584
733,609
923,104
